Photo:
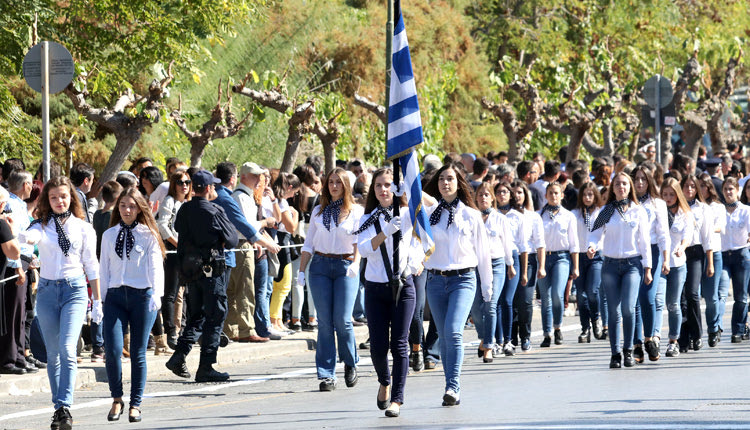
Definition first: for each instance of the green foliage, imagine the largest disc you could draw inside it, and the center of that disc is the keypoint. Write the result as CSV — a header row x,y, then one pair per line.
x,y
15,139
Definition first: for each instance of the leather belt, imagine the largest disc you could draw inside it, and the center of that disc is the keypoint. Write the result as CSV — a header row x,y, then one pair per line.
x,y
556,252
451,272
349,257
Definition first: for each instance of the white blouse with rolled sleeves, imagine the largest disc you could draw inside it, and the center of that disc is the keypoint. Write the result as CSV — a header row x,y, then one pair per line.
x,y
411,255
625,236
165,217
583,231
656,209
498,233
703,216
339,240
533,232
738,225
515,224
81,257
462,244
682,229
144,269
719,222
560,231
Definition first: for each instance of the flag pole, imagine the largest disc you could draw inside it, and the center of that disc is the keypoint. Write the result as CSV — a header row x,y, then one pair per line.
x,y
396,161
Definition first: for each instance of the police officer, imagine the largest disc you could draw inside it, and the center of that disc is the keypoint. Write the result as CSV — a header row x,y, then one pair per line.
x,y
205,231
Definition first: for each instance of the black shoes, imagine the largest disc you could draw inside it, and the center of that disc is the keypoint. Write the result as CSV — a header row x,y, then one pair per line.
x,y
383,404
628,358
672,350
450,398
62,420
585,336
365,345
546,342
746,333
697,344
714,339
638,353
597,327
605,333
558,337
134,418
652,349
176,364
116,416
12,370
615,362
172,341
224,340
209,374
736,338
429,363
417,361
350,376
328,384
31,359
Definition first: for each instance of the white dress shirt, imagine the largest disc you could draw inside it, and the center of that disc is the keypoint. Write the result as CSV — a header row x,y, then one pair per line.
x,y
533,231
703,216
159,194
339,240
462,244
659,223
81,256
583,231
518,232
144,268
560,231
625,236
165,217
737,227
682,229
498,232
410,256
719,223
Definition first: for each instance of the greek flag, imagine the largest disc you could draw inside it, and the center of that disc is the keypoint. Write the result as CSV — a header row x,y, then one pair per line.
x,y
405,128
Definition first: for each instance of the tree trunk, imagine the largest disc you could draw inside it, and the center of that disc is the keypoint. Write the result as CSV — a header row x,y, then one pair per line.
x,y
290,153
575,142
125,143
197,147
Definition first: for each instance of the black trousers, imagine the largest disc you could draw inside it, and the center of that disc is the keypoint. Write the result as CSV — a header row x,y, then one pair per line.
x,y
384,316
13,341
207,310
690,302
523,304
416,330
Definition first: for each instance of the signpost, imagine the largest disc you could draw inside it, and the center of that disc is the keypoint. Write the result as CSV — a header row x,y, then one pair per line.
x,y
48,68
658,94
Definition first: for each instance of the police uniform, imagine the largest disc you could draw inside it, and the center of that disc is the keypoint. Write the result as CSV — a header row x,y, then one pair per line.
x,y
203,225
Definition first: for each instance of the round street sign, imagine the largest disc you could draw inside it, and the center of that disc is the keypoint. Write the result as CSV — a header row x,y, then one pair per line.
x,y
61,67
665,92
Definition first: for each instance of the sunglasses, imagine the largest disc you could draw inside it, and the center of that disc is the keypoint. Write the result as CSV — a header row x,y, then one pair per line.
x,y
188,182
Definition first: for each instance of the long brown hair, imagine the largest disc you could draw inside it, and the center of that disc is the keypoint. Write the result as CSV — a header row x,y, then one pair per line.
x,y
144,216
631,195
325,193
597,195
44,209
652,189
486,186
372,199
713,196
463,191
691,177
174,179
528,204
674,184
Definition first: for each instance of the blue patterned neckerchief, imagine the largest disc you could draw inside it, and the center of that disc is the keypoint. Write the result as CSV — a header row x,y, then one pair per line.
x,y
332,211
609,209
374,216
125,239
450,207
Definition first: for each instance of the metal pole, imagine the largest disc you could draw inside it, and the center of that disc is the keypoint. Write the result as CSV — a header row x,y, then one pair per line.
x,y
45,110
657,120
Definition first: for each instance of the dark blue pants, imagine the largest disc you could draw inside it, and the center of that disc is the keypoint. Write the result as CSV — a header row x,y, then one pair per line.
x,y
384,316
523,303
587,288
416,331
207,310
737,266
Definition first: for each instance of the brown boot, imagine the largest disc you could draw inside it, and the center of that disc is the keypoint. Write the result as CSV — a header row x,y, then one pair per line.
x,y
161,346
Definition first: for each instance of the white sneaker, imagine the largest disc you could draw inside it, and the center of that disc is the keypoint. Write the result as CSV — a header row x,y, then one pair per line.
x,y
509,350
272,330
450,398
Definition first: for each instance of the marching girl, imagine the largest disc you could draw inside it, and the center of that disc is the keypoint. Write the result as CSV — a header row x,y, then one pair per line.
x,y
714,296
485,314
334,276
697,253
589,279
508,206
523,302
735,255
648,309
561,237
622,229
67,250
461,250
384,313
132,278
681,227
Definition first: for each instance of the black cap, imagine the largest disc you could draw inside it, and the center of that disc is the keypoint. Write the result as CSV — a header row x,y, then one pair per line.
x,y
202,178
712,162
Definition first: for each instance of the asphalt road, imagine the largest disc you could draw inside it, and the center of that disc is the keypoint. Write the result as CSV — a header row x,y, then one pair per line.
x,y
563,387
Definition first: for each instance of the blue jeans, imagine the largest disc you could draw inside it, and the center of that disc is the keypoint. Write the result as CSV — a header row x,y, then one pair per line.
x,y
416,330
450,299
675,284
620,279
647,319
262,298
587,288
661,294
334,294
710,292
359,303
61,308
505,305
484,313
737,267
123,306
523,303
552,289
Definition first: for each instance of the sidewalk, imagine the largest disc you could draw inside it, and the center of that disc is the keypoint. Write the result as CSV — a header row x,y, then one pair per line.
x,y
235,353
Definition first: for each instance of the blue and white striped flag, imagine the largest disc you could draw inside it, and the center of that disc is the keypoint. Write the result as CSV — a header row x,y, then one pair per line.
x,y
405,128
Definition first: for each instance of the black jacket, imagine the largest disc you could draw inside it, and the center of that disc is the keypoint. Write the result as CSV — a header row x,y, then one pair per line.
x,y
204,225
